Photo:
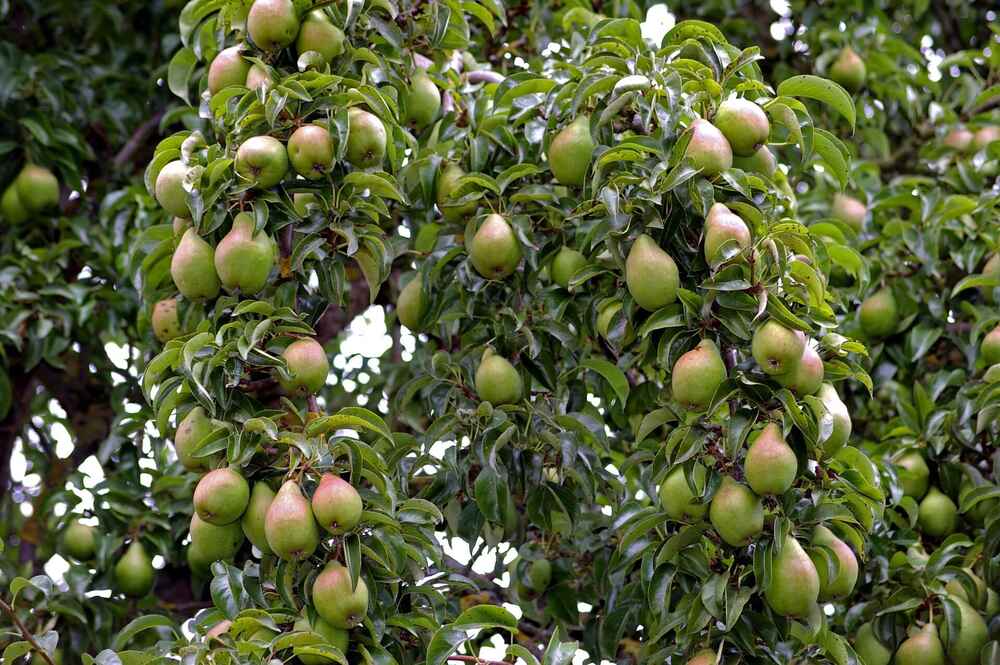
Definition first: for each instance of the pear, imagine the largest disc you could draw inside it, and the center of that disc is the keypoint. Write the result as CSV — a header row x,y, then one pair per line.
x,y
272,24
410,305
180,226
736,513
849,70
990,348
289,526
761,162
216,543
11,207
770,465
134,571
847,575
869,648
849,210
697,375
308,366
651,274
447,186
841,418
165,321
990,269
725,234
965,647
566,263
571,152
191,431
319,34
708,149
221,496
495,251
938,514
497,381
793,588
958,138
676,497
979,597
539,575
606,315
79,540
366,139
169,189
227,68
982,138
335,601
199,559
257,77
192,267
37,188
310,150
879,317
336,505
744,124
914,474
302,201
923,648
703,657
807,376
243,259
335,637
423,100
262,161
255,516
777,349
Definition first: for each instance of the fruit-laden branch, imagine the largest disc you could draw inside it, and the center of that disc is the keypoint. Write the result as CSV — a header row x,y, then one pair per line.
x,y
25,633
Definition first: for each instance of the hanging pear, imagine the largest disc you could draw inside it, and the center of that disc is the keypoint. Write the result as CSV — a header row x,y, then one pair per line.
x,y
922,648
423,100
228,68
965,647
849,210
793,588
676,497
868,646
244,259
310,150
807,375
335,601
878,314
777,349
191,431
272,24
849,70
708,149
770,465
410,305
990,347
938,514
566,263
847,574
79,540
308,367
37,188
725,234
447,194
571,152
697,375
192,267
744,124
336,637
366,138
134,573
216,543
11,208
497,381
736,513
169,189
262,161
914,474
318,33
703,657
221,496
255,516
833,405
290,527
336,504
165,321
761,162
651,274
495,251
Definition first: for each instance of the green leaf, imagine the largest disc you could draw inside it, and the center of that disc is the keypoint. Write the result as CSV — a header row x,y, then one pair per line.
x,y
140,624
822,90
447,639
611,374
179,72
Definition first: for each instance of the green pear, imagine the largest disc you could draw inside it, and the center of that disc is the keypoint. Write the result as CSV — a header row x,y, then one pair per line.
x,y
793,588
336,637
423,100
335,601
571,152
841,418
744,124
982,138
495,251
777,349
990,348
289,526
566,263
982,510
228,68
366,139
965,647
990,269
336,505
134,573
849,210
37,188
273,24
697,375
169,189
849,70
539,575
869,648
606,315
255,516
216,543
979,596
165,320
302,201
180,226
79,540
770,466
308,366
725,234
651,274
191,431
938,514
262,161
807,376
310,150
958,138
703,657
199,559
497,381
676,497
761,162
879,316
221,496
847,575
923,648
914,474
243,259
257,77
192,267
11,207
318,33
736,513
410,305
708,149
447,193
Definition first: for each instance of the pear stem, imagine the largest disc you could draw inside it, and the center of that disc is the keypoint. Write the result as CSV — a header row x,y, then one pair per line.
x,y
25,633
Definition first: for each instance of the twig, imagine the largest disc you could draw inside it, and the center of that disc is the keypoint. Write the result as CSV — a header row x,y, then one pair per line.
x,y
28,637
136,141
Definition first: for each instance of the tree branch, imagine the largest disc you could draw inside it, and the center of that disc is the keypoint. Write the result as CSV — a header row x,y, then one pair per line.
x,y
138,139
25,633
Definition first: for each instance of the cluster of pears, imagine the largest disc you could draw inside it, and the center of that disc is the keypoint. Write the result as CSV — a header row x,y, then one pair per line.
x,y
938,514
737,136
736,512
964,140
926,645
35,190
132,575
